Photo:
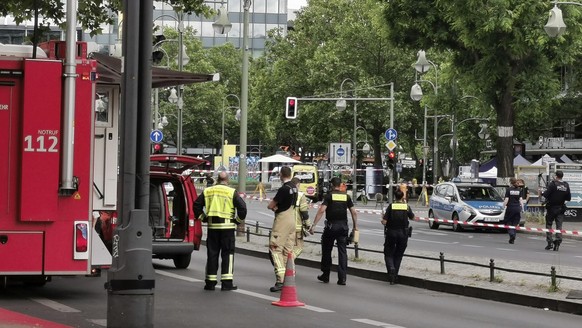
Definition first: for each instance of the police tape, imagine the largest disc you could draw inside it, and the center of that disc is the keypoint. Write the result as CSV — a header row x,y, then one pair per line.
x,y
444,221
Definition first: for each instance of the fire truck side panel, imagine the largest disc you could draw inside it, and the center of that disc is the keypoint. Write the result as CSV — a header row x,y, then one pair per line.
x,y
42,232
10,88
27,246
40,141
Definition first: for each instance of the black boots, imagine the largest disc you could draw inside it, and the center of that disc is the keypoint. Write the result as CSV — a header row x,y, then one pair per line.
x,y
392,276
557,245
323,277
512,239
550,246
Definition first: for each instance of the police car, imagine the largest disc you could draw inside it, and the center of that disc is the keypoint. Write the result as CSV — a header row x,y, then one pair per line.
x,y
465,201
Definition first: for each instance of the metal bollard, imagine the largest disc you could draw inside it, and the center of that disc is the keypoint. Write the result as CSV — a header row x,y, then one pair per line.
x,y
491,270
356,251
442,260
553,273
257,227
248,234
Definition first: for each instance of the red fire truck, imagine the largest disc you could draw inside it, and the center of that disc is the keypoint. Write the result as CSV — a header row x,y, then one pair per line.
x,y
45,228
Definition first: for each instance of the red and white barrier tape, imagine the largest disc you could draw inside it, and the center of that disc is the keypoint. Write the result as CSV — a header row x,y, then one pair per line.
x,y
418,218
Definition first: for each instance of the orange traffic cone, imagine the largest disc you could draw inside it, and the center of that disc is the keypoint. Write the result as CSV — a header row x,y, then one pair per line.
x,y
289,292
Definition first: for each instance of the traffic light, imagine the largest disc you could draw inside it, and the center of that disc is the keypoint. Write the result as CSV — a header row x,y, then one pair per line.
x,y
391,160
158,148
157,54
291,108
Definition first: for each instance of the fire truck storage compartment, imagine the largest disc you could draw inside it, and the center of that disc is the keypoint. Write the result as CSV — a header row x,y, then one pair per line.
x,y
41,136
28,246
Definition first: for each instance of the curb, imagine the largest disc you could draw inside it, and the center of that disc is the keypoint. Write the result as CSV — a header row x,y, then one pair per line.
x,y
563,306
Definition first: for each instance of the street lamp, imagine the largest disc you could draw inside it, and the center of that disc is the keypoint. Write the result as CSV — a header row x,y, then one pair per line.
x,y
483,134
222,25
422,66
224,107
341,105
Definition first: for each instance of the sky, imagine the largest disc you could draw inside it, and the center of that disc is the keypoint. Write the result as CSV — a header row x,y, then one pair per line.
x,y
296,4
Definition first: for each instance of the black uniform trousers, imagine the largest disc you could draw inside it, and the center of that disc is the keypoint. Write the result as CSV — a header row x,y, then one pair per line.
x,y
554,213
220,242
335,231
394,246
512,218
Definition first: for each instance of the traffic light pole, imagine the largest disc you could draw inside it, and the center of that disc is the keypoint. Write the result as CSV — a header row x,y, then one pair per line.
x,y
391,99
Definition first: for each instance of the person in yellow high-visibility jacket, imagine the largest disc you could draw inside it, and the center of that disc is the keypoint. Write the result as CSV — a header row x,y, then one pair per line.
x,y
220,202
302,222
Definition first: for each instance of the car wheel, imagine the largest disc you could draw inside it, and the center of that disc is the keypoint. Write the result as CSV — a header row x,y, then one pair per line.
x,y
458,227
431,223
182,261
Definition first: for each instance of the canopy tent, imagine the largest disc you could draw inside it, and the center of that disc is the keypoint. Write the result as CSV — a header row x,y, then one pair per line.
x,y
492,163
109,71
278,158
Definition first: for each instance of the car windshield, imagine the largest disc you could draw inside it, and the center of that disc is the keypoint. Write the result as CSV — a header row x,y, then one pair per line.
x,y
305,177
479,193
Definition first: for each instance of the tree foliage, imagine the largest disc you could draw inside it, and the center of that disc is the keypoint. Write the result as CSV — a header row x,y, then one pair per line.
x,y
90,13
499,51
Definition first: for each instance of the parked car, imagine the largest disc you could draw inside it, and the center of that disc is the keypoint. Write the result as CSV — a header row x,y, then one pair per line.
x,y
473,202
175,231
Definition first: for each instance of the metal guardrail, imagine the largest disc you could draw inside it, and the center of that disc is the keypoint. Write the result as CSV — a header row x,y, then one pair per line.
x,y
442,260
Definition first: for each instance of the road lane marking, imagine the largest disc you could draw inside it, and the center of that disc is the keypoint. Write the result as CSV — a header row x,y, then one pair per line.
x,y
55,305
507,249
265,213
477,246
376,323
437,242
173,275
100,322
241,291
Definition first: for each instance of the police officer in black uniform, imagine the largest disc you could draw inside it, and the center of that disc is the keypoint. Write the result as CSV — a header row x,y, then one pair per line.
x,y
556,195
335,206
395,221
513,207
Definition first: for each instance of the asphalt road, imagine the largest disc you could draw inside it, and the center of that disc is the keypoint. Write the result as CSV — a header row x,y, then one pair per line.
x,y
180,301
480,244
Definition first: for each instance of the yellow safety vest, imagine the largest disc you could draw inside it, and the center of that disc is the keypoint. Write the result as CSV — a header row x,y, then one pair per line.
x,y
220,207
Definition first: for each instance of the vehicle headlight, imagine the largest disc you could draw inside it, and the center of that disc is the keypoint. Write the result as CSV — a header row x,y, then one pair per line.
x,y
469,209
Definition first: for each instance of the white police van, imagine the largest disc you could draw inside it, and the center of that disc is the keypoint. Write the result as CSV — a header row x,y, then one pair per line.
x,y
459,202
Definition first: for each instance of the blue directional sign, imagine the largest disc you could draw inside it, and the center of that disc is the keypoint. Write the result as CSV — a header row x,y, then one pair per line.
x,y
340,151
391,134
156,136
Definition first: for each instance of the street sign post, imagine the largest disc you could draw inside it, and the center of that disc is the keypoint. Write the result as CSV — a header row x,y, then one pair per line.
x,y
340,153
156,136
391,134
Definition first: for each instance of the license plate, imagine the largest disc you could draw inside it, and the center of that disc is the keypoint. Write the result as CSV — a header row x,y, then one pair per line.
x,y
491,220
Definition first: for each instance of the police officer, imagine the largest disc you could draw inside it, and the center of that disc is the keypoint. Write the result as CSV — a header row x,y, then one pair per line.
x,y
513,207
220,202
282,239
395,221
301,218
335,206
556,195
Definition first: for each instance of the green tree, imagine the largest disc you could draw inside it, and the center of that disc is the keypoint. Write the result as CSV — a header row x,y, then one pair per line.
x,y
332,41
499,52
90,14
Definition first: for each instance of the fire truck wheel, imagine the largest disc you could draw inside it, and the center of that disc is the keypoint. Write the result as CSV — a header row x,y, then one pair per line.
x,y
182,261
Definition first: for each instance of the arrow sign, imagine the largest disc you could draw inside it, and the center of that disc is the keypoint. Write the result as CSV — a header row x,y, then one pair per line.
x,y
391,134
577,199
156,136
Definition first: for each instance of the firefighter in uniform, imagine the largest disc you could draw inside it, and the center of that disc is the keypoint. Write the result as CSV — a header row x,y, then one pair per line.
x,y
396,232
220,202
302,223
335,206
556,195
513,204
282,239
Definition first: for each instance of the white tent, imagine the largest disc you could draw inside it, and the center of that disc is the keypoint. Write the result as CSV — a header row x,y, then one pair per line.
x,y
278,159
491,174
273,159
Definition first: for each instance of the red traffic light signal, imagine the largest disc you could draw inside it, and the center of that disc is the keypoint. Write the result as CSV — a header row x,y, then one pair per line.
x,y
391,155
158,148
291,108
